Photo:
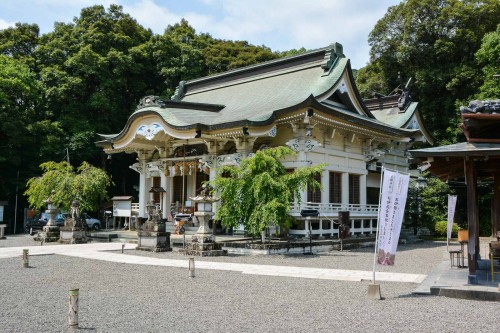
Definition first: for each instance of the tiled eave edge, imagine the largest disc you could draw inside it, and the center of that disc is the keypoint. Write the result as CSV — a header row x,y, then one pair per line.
x,y
348,120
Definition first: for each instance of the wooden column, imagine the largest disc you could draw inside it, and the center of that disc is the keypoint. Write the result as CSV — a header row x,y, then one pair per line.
x,y
495,204
472,215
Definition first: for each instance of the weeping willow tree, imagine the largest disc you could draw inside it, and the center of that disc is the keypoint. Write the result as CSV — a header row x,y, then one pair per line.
x,y
259,191
88,184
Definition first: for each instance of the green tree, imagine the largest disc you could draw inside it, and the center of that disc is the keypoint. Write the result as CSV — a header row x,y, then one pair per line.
x,y
435,202
20,43
371,80
488,58
94,71
433,41
259,191
224,55
19,94
178,55
88,184
182,54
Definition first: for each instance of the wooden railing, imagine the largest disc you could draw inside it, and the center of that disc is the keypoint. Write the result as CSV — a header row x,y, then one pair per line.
x,y
363,218
332,209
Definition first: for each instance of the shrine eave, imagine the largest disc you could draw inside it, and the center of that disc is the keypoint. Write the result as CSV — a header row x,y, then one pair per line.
x,y
347,117
462,149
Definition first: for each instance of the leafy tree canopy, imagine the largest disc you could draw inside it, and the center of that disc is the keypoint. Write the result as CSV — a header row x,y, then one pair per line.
x,y
88,184
433,41
488,58
259,191
20,93
20,42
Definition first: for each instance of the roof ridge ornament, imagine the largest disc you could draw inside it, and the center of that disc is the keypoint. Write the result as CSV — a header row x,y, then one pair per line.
x,y
332,54
180,91
149,101
405,97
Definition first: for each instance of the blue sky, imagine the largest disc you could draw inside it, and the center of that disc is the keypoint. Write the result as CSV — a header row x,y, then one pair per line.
x,y
279,24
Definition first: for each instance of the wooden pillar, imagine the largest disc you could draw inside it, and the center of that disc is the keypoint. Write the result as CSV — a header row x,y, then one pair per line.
x,y
472,215
495,205
325,183
345,190
362,190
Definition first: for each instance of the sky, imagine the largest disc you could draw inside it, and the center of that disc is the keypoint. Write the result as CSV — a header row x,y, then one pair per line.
x,y
278,24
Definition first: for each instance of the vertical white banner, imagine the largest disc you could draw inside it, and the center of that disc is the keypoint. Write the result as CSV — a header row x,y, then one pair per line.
x,y
452,202
393,194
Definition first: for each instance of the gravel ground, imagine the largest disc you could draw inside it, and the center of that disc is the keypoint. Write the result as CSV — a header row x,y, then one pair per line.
x,y
128,298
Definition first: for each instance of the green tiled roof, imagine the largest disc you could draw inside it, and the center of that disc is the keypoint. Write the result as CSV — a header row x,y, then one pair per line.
x,y
253,97
394,117
256,99
255,94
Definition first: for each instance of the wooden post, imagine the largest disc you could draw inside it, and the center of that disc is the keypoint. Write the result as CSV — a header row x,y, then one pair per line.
x,y
26,263
495,205
472,216
73,308
191,267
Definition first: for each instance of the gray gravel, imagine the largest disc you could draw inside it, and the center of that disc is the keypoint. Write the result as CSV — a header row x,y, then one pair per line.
x,y
128,298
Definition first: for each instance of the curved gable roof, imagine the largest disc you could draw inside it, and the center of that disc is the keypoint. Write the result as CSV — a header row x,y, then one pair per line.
x,y
256,95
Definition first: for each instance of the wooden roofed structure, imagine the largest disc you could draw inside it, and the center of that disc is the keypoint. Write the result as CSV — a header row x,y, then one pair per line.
x,y
474,160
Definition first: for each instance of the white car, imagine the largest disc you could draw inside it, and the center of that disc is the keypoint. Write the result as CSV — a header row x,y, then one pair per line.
x,y
92,223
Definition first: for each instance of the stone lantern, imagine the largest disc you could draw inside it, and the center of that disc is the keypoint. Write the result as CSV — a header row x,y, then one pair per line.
x,y
152,235
51,229
203,242
74,230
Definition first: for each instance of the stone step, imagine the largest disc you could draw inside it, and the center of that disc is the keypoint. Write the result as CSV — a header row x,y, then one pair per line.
x,y
408,235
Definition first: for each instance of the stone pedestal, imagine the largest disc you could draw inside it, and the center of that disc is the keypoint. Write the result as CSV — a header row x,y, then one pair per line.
x,y
153,237
2,233
50,233
73,232
204,250
203,243
70,236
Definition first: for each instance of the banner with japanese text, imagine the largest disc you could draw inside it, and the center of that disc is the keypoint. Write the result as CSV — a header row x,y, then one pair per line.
x,y
393,192
452,203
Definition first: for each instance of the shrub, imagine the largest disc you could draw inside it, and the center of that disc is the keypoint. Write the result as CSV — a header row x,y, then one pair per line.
x,y
441,227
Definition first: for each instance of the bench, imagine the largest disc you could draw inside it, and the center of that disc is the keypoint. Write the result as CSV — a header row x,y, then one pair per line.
x,y
455,257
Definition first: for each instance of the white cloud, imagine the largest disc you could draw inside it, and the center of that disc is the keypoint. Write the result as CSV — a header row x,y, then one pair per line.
x,y
151,15
288,24
4,24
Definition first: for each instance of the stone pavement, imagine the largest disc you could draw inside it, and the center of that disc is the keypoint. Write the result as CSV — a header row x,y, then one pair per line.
x,y
99,251
449,281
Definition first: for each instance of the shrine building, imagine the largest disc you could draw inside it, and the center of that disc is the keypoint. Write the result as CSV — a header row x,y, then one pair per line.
x,y
308,102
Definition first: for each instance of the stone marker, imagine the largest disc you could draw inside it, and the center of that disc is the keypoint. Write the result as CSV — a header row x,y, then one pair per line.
x,y
374,291
191,267
74,295
26,262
